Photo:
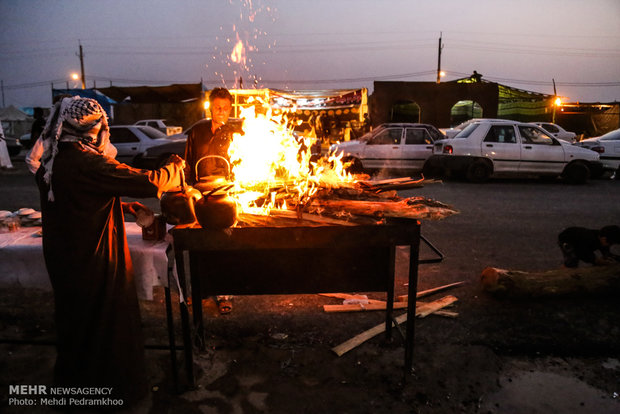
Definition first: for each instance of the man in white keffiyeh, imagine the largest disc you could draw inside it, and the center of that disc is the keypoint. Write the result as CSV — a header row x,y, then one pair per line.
x,y
85,249
74,119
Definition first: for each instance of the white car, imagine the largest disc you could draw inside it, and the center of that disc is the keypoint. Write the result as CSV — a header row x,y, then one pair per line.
x,y
131,140
162,125
452,132
557,131
393,146
489,148
608,147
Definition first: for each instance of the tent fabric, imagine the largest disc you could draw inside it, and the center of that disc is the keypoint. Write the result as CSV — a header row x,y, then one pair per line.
x,y
510,94
155,94
318,99
11,113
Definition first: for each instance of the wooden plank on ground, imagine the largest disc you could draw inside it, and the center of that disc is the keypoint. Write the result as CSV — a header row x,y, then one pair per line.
x,y
425,309
422,293
358,307
347,296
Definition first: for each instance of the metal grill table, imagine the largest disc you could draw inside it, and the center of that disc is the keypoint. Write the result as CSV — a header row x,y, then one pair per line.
x,y
262,260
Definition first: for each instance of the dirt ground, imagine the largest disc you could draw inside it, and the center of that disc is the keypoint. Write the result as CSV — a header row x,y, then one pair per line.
x,y
272,354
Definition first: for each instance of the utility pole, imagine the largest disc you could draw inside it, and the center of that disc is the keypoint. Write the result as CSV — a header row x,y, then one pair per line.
x,y
81,55
555,97
439,58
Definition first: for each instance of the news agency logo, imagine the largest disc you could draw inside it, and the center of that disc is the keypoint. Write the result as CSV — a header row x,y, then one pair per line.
x,y
32,395
27,389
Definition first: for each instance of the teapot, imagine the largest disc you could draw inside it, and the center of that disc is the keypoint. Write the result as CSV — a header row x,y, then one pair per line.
x,y
216,209
177,206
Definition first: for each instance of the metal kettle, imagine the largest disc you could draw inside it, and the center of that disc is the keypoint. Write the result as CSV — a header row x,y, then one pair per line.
x,y
177,206
216,209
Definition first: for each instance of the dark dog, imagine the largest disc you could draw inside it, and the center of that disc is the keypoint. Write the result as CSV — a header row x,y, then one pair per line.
x,y
579,243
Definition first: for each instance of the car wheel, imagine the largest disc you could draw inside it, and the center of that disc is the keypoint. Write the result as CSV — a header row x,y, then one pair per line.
x,y
432,170
479,172
576,173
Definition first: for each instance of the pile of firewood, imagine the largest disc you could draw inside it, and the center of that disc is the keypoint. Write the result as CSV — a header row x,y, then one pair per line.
x,y
377,199
357,202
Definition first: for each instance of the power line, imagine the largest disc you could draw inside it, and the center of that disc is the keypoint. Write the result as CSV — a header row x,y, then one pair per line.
x,y
100,78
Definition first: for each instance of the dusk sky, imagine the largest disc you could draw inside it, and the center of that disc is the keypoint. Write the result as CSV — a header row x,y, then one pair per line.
x,y
309,44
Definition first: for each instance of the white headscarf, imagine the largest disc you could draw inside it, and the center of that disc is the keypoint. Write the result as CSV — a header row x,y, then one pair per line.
x,y
70,121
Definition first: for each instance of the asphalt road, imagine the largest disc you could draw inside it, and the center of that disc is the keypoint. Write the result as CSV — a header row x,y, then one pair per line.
x,y
497,356
510,223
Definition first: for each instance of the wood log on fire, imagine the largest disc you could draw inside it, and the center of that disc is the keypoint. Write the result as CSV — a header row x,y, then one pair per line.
x,y
414,208
557,282
403,183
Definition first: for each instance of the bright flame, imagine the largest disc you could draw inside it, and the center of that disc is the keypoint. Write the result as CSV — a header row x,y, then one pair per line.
x,y
558,101
238,53
272,167
75,76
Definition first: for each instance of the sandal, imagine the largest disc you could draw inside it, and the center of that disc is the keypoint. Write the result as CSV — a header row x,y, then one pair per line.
x,y
225,306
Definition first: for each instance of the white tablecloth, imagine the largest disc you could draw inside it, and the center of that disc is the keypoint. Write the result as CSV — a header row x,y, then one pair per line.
x,y
21,260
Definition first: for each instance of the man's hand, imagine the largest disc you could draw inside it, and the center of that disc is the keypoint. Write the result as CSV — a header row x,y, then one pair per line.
x,y
175,159
144,215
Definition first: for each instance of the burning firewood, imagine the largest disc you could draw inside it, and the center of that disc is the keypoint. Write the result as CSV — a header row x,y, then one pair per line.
x,y
404,183
414,208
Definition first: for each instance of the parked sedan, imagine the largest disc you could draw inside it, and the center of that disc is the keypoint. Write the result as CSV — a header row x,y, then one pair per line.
x,y
393,146
452,132
608,147
132,140
489,148
156,155
557,131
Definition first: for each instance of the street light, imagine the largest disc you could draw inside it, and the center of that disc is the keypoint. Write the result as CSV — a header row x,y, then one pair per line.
x,y
557,102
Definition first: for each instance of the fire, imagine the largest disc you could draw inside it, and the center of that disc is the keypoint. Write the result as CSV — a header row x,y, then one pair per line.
x,y
272,166
238,53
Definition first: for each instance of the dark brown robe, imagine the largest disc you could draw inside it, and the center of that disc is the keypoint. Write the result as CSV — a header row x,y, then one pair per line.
x,y
202,141
97,314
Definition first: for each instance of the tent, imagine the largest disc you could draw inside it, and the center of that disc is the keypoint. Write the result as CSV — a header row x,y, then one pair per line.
x,y
14,121
11,113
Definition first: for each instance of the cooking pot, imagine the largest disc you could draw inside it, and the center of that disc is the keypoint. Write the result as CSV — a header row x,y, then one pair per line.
x,y
216,209
177,205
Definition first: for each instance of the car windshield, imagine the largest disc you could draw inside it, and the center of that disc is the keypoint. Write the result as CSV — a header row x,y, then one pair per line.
x,y
152,132
467,131
611,136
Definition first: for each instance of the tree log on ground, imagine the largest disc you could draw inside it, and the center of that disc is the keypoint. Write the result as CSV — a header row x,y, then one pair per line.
x,y
557,282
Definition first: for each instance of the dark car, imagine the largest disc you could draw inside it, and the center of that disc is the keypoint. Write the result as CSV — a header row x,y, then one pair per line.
x,y
156,156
